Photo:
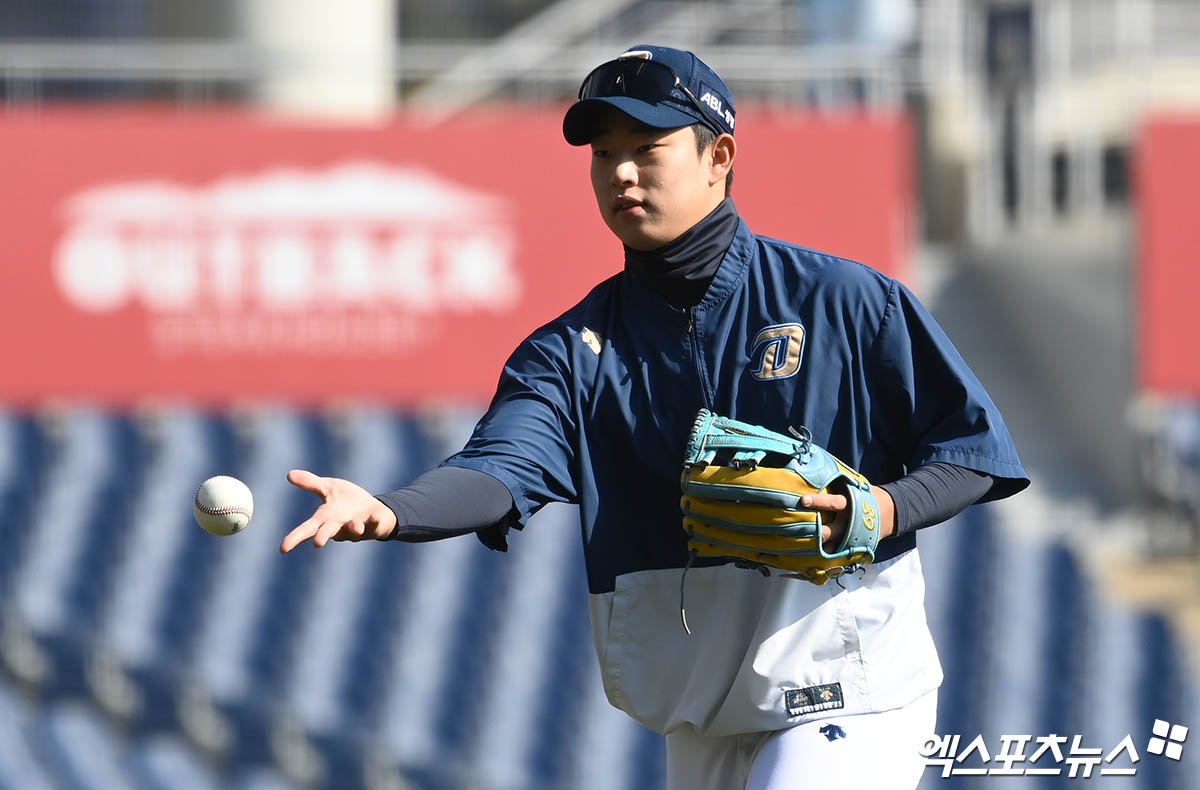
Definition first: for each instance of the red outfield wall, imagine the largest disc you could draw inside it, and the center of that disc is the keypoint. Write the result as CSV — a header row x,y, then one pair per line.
x,y
1168,184
220,256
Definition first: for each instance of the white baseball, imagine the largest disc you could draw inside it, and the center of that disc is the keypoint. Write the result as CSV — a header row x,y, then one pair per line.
x,y
223,505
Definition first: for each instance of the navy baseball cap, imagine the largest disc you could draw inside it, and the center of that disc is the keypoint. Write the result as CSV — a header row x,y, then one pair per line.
x,y
662,87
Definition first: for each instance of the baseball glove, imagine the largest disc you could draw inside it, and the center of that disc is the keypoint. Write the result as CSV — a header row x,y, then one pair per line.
x,y
742,499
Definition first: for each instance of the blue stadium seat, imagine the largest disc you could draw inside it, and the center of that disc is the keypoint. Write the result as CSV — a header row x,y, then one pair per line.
x,y
21,766
283,440
22,465
85,752
192,568
1063,686
165,762
260,778
403,454
963,647
62,551
1162,688
130,639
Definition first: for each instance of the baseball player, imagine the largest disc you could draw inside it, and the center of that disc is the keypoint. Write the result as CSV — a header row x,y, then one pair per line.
x,y
780,683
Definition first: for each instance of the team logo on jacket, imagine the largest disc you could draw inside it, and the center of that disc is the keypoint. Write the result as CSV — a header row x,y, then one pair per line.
x,y
775,352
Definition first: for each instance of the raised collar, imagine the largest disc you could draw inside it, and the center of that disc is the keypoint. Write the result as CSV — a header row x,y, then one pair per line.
x,y
729,274
681,270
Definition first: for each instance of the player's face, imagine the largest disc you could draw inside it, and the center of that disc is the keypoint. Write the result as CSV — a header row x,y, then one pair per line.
x,y
650,184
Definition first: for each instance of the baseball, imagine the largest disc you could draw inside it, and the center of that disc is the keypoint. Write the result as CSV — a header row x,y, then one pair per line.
x,y
223,505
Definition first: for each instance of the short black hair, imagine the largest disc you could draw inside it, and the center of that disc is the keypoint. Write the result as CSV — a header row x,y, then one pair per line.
x,y
705,137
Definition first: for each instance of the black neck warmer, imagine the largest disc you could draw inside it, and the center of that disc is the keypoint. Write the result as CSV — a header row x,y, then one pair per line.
x,y
681,270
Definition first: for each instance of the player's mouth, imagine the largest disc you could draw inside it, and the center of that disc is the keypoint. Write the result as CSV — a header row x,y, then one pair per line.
x,y
627,207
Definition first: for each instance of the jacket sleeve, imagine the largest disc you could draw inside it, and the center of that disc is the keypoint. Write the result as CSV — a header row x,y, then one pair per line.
x,y
928,404
526,439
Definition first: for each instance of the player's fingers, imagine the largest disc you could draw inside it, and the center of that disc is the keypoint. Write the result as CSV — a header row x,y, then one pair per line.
x,y
374,529
351,530
826,501
326,532
302,478
298,535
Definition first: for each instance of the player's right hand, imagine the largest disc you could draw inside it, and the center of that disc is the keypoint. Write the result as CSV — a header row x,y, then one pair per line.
x,y
348,512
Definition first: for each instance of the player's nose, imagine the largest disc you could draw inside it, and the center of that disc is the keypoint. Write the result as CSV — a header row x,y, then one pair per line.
x,y
624,173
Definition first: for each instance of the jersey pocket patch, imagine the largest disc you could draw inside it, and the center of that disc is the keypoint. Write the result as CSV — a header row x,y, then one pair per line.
x,y
813,699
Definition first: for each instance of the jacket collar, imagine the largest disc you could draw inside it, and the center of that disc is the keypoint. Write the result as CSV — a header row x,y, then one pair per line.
x,y
728,277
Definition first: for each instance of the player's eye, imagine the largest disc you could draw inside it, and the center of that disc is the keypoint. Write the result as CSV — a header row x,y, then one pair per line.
x,y
599,153
647,147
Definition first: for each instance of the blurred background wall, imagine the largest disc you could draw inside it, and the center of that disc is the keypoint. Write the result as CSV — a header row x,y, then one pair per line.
x,y
246,236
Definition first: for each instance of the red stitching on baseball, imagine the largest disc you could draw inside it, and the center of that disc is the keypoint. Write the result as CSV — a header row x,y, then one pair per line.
x,y
221,511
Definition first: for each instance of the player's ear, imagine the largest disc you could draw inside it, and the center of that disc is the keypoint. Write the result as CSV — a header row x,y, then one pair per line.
x,y
720,158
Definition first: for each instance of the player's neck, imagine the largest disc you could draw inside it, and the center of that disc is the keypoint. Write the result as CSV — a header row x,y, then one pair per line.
x,y
681,270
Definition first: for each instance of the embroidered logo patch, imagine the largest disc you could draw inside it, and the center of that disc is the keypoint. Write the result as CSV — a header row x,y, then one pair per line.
x,y
813,699
832,732
775,352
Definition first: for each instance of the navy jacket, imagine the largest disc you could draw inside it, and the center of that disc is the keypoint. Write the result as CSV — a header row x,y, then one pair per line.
x,y
595,407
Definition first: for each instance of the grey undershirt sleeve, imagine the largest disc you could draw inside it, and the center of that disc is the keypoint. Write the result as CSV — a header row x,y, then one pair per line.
x,y
933,493
446,502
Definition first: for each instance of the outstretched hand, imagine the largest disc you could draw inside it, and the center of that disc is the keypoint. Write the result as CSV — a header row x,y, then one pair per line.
x,y
348,512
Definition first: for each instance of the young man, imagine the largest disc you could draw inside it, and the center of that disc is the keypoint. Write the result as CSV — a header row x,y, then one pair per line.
x,y
781,683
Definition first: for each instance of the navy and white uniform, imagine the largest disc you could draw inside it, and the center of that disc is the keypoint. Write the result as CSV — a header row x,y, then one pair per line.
x,y
595,408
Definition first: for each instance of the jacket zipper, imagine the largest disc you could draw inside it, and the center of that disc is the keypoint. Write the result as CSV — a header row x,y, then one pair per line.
x,y
694,343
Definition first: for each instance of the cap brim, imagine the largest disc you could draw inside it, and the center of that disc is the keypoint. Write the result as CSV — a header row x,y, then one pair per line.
x,y
581,121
